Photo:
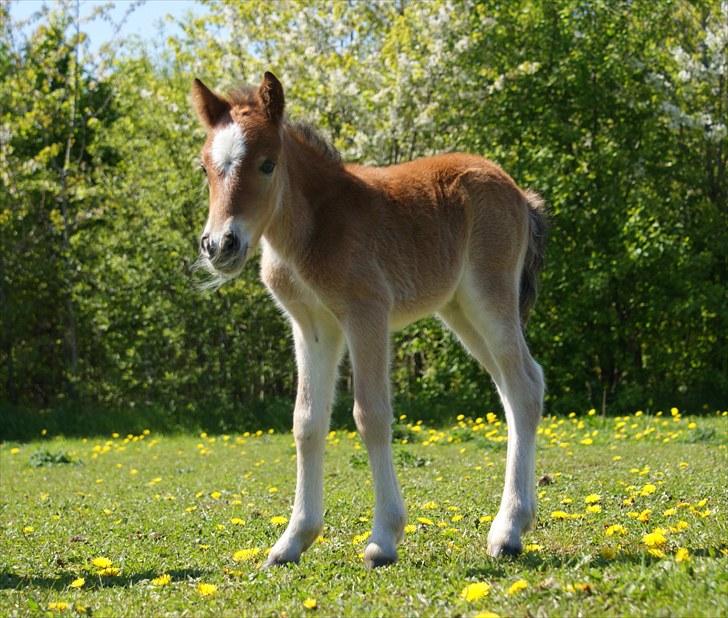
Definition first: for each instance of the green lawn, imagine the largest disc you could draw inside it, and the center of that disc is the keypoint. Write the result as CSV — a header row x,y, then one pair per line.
x,y
186,505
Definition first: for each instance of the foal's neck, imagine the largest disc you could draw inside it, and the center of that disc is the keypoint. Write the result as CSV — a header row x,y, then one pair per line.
x,y
308,184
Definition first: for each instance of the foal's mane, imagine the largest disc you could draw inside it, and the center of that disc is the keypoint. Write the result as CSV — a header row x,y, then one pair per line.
x,y
306,132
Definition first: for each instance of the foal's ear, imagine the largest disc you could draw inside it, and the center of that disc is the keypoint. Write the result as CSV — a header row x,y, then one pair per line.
x,y
210,107
271,93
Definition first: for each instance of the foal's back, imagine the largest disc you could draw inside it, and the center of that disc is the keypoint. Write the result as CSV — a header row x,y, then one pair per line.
x,y
426,222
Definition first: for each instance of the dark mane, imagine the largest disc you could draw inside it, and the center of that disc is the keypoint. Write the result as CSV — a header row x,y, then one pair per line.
x,y
308,134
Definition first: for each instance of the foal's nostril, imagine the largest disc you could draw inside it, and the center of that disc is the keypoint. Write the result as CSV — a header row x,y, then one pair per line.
x,y
230,243
206,245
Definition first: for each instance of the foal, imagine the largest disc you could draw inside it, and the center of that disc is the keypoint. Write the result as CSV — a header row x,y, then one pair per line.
x,y
351,252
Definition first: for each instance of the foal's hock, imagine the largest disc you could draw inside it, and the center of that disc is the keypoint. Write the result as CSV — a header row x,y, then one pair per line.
x,y
350,252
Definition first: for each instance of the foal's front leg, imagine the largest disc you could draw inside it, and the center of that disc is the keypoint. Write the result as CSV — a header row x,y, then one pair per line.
x,y
318,350
368,339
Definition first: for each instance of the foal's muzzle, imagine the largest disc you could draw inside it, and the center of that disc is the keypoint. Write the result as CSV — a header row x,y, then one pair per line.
x,y
226,247
225,253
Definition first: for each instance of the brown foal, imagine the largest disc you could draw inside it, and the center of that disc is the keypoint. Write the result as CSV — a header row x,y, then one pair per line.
x,y
351,252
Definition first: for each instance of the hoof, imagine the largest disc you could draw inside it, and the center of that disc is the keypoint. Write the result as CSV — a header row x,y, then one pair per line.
x,y
375,556
498,551
277,561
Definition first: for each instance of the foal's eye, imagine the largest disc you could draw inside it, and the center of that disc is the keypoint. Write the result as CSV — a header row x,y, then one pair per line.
x,y
267,166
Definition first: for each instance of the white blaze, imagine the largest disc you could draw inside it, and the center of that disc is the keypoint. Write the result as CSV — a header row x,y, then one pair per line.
x,y
228,148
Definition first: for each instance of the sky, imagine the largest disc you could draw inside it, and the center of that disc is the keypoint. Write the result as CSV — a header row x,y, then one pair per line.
x,y
144,20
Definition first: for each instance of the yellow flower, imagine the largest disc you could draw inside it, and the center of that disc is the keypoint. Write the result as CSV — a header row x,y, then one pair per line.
x,y
669,512
206,590
532,548
101,562
680,526
429,506
473,592
593,499
586,441
360,538
57,606
309,603
109,572
162,580
657,553
615,529
648,490
279,520
215,495
655,538
243,555
236,521
484,519
682,555
560,515
410,528
486,614
608,553
594,508
78,582
425,521
517,586
28,530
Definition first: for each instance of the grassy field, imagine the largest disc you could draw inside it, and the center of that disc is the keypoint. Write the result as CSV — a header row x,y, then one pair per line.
x,y
632,521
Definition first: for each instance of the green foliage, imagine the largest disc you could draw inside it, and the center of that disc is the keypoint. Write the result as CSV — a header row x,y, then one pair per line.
x,y
615,112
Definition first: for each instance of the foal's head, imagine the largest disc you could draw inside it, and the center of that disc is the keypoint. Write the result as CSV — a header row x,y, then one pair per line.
x,y
239,157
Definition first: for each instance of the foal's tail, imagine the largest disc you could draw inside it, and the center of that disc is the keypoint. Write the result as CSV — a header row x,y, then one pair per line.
x,y
537,226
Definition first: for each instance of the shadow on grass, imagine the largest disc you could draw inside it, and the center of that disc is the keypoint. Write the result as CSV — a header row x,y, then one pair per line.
x,y
542,561
12,581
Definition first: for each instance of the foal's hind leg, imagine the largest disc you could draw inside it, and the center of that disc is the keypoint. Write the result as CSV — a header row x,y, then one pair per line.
x,y
319,344
493,312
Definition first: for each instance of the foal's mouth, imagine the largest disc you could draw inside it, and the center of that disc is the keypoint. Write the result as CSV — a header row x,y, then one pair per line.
x,y
220,269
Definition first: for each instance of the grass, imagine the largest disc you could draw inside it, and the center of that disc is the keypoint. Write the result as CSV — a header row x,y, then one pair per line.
x,y
186,505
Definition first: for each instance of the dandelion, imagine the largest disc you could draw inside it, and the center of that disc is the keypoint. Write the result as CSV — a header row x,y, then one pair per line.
x,y
102,563
532,548
615,529
207,590
279,520
517,586
487,614
484,519
682,555
58,606
656,538
410,528
28,530
425,521
162,580
244,555
474,592
310,603
236,521
560,515
78,582
593,508
215,495
648,490
593,499
608,553
680,526
360,538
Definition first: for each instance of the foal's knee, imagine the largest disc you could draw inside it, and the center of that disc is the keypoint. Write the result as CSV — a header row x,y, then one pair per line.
x,y
373,420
